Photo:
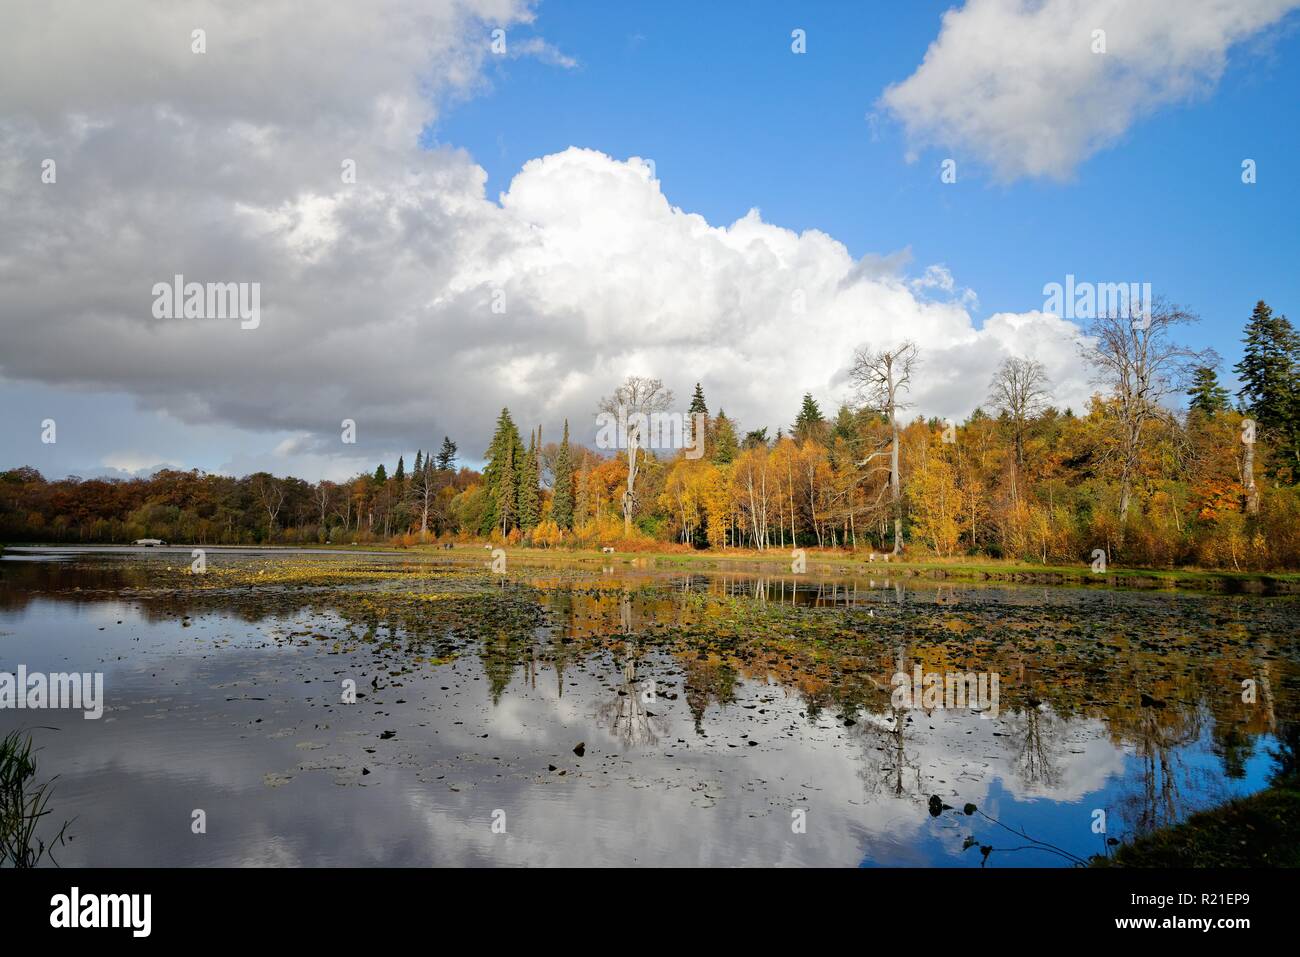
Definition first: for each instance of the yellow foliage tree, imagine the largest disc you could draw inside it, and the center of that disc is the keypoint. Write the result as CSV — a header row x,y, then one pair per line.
x,y
936,502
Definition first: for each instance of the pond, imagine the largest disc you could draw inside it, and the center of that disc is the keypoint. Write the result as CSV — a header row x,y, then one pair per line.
x,y
605,711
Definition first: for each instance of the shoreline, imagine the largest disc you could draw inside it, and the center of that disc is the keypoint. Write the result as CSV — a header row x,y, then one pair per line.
x,y
1220,581
1258,830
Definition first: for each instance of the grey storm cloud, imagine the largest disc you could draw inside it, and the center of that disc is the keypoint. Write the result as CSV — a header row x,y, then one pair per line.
x,y
377,296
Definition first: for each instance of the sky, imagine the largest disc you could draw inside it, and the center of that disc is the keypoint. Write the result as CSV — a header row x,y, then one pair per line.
x,y
697,192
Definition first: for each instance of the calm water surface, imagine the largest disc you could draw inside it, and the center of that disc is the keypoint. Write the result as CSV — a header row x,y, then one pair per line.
x,y
694,753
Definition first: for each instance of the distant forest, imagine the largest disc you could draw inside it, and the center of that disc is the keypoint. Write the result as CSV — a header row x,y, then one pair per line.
x,y
1214,485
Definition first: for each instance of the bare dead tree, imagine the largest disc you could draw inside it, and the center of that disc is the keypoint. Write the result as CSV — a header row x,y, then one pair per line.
x,y
424,488
343,507
1137,359
634,402
879,378
269,492
1248,467
321,495
1018,390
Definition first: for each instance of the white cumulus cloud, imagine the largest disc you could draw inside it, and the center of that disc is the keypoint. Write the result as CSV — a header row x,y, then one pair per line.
x,y
1018,84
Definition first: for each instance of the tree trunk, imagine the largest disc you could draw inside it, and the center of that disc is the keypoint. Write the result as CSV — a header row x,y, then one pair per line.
x,y
1252,490
629,497
895,489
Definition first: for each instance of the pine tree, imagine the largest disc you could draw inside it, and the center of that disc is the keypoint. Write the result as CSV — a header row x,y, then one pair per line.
x,y
504,457
381,475
530,506
698,411
419,462
507,497
1270,375
562,503
810,422
400,475
697,401
725,445
581,492
846,426
447,457
1207,396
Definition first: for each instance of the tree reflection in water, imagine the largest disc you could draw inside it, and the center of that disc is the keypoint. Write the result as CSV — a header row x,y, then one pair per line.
x,y
629,715
1161,736
889,767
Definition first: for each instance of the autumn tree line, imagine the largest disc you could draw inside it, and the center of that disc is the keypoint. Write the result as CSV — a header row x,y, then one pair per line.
x,y
204,508
1163,468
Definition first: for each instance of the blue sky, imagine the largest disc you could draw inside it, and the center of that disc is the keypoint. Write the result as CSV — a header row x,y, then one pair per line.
x,y
1123,168
733,120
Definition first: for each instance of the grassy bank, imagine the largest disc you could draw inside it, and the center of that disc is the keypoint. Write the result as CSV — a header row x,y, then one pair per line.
x,y
840,563
985,570
1262,830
